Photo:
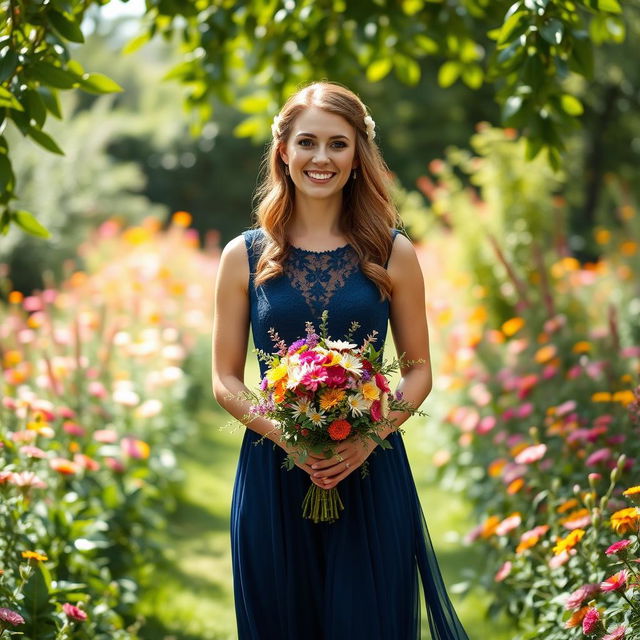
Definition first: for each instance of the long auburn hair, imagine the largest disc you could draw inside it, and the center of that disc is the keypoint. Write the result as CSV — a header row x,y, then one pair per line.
x,y
368,213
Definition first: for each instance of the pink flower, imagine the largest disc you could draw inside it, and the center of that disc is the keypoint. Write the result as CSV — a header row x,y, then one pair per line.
x,y
618,546
336,376
97,389
73,428
105,435
10,616
616,634
32,451
486,424
525,410
74,612
114,464
66,412
531,454
503,571
618,581
509,524
590,621
565,407
313,376
561,558
27,480
376,411
581,594
601,455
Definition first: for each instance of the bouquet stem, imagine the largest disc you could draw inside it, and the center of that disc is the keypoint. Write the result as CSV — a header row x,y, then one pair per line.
x,y
322,505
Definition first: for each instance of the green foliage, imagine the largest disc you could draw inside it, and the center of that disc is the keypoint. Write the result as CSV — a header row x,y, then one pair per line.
x,y
257,53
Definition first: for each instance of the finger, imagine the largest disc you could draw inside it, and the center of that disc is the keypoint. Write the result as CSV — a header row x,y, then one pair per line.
x,y
334,470
332,482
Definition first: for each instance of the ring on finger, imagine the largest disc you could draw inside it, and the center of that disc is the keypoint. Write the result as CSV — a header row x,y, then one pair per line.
x,y
347,465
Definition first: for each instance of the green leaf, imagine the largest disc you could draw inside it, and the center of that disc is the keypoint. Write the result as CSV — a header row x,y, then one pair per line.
x,y
257,103
7,178
44,140
66,26
7,99
571,105
5,222
509,26
378,69
36,594
54,76
448,73
99,83
552,31
8,64
35,107
613,6
135,43
581,59
509,53
407,69
411,7
473,76
533,147
426,44
249,127
51,101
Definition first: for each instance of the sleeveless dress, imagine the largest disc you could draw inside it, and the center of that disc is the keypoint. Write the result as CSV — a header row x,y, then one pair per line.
x,y
355,578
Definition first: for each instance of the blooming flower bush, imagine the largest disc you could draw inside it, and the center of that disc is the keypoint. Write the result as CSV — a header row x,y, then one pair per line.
x,y
93,402
542,352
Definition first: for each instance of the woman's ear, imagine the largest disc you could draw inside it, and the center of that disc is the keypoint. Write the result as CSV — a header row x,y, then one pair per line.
x,y
282,152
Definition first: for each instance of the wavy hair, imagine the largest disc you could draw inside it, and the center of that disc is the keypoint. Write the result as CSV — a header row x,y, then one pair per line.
x,y
368,213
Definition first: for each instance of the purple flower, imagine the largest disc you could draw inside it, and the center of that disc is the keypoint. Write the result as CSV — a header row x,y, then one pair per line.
x,y
12,617
312,340
399,395
264,383
296,345
365,375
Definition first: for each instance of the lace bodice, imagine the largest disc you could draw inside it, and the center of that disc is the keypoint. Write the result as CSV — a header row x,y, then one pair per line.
x,y
312,282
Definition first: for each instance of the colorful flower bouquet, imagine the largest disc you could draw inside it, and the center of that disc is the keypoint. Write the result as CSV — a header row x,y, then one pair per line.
x,y
321,391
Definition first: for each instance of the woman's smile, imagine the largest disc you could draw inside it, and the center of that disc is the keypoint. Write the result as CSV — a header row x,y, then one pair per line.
x,y
319,177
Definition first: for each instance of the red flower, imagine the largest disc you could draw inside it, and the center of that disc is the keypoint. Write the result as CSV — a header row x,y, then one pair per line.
x,y
339,429
381,382
618,546
336,376
376,411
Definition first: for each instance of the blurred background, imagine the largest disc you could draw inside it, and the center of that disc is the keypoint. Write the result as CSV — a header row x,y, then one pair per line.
x,y
531,274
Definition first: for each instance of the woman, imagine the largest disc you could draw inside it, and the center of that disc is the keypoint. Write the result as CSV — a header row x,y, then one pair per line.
x,y
326,239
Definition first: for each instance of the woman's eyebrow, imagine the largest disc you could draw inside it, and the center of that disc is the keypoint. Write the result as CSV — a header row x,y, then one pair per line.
x,y
312,135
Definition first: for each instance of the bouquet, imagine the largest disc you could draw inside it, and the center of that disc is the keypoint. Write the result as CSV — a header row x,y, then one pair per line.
x,y
321,391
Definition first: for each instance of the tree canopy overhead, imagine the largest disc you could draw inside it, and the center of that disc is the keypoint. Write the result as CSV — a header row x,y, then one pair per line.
x,y
254,53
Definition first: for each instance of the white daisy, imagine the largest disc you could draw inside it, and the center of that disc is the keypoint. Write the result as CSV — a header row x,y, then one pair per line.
x,y
358,404
316,416
301,408
339,345
351,364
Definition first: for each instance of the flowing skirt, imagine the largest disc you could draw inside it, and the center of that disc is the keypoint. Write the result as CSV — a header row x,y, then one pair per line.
x,y
355,578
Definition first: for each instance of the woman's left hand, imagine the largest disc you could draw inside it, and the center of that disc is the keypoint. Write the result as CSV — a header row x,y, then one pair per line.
x,y
330,471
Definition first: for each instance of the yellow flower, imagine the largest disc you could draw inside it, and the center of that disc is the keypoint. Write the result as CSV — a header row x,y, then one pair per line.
x,y
602,236
625,520
515,486
568,542
512,326
495,468
12,357
581,347
601,396
331,397
370,390
34,555
277,373
631,491
544,354
489,526
624,397
628,248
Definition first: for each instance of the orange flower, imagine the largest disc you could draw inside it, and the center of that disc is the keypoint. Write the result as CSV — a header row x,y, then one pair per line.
x,y
567,543
495,468
628,248
632,491
489,526
64,466
181,218
544,354
624,397
34,555
581,347
625,520
515,486
331,397
601,396
339,429
569,504
15,297
279,391
577,618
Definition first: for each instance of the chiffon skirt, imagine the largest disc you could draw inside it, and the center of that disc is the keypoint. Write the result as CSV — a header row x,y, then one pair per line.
x,y
356,578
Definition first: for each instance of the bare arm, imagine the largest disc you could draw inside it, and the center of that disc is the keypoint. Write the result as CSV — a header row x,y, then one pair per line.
x,y
408,318
229,342
230,336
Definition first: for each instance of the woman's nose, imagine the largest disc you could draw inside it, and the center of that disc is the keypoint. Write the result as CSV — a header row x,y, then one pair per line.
x,y
320,155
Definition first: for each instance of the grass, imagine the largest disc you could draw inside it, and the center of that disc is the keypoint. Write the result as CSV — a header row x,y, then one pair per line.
x,y
191,597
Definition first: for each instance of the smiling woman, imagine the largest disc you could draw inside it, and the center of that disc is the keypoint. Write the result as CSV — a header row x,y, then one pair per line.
x,y
326,239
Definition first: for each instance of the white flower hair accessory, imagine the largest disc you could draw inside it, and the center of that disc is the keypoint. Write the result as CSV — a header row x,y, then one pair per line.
x,y
371,127
275,126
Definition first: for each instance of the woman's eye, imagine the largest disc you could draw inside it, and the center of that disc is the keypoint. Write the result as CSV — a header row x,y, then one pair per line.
x,y
303,142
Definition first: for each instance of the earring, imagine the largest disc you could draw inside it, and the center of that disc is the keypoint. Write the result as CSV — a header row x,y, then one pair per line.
x,y
286,169
354,174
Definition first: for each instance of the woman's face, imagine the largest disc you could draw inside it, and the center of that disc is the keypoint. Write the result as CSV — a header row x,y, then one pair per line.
x,y
320,153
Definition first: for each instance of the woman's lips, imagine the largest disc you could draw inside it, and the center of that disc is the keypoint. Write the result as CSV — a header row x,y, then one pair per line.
x,y
318,180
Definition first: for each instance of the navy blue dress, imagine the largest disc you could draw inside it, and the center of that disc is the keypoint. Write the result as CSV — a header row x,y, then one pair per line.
x,y
355,578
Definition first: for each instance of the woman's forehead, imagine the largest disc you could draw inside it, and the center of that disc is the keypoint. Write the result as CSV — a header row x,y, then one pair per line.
x,y
321,123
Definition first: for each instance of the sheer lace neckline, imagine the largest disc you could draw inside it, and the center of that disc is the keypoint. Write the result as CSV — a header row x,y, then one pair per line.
x,y
326,251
